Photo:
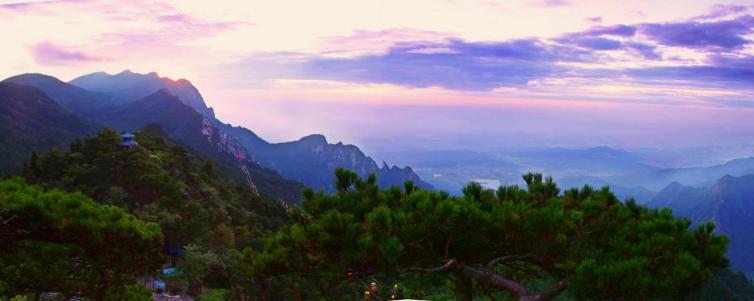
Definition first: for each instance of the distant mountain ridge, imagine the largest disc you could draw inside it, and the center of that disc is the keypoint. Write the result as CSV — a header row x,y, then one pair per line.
x,y
74,99
728,202
37,122
134,100
29,120
128,86
694,176
310,160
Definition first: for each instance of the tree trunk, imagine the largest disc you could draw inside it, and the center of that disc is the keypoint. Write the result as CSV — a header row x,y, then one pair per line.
x,y
464,288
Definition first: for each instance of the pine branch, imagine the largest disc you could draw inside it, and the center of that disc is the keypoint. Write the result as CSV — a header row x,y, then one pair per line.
x,y
495,261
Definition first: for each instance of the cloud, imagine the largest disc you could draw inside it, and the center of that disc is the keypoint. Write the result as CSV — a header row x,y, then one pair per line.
x,y
594,19
595,43
720,34
615,30
726,34
615,37
453,64
457,64
678,55
48,53
31,5
722,10
377,41
644,50
715,36
721,71
551,3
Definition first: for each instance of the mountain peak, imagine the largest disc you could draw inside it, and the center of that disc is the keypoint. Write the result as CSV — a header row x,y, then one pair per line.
x,y
72,98
675,185
37,77
129,86
314,139
725,179
163,94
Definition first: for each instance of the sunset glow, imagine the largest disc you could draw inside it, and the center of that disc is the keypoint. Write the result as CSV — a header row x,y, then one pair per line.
x,y
259,63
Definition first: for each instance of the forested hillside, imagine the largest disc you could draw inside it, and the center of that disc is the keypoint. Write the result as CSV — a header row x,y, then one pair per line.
x,y
197,206
129,101
205,201
69,246
729,203
30,120
530,243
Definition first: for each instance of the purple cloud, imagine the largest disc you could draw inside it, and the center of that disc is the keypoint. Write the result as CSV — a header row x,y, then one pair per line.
x,y
594,39
469,66
47,53
594,43
462,65
726,76
457,64
522,49
727,34
615,30
722,34
29,6
645,50
722,10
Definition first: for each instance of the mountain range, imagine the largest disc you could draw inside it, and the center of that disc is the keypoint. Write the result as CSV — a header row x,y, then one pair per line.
x,y
694,176
29,120
129,101
39,112
728,203
310,160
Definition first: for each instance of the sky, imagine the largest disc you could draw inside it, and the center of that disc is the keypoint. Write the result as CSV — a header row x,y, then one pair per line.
x,y
389,74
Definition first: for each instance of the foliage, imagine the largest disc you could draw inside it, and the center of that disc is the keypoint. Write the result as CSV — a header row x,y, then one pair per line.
x,y
213,295
196,265
726,285
194,201
134,292
30,120
161,182
508,240
64,242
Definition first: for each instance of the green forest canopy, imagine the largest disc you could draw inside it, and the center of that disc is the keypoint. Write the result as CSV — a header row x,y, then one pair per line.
x,y
64,242
532,243
189,198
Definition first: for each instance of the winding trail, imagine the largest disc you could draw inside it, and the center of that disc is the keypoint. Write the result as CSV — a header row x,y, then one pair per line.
x,y
252,186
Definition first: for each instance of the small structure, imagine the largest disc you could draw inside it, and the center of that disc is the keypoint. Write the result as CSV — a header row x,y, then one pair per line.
x,y
174,252
128,143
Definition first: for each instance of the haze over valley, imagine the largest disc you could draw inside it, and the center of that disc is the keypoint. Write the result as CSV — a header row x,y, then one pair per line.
x,y
528,150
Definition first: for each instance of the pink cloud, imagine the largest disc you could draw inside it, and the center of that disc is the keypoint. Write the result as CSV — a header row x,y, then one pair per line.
x,y
368,41
551,3
594,20
170,26
48,53
37,7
